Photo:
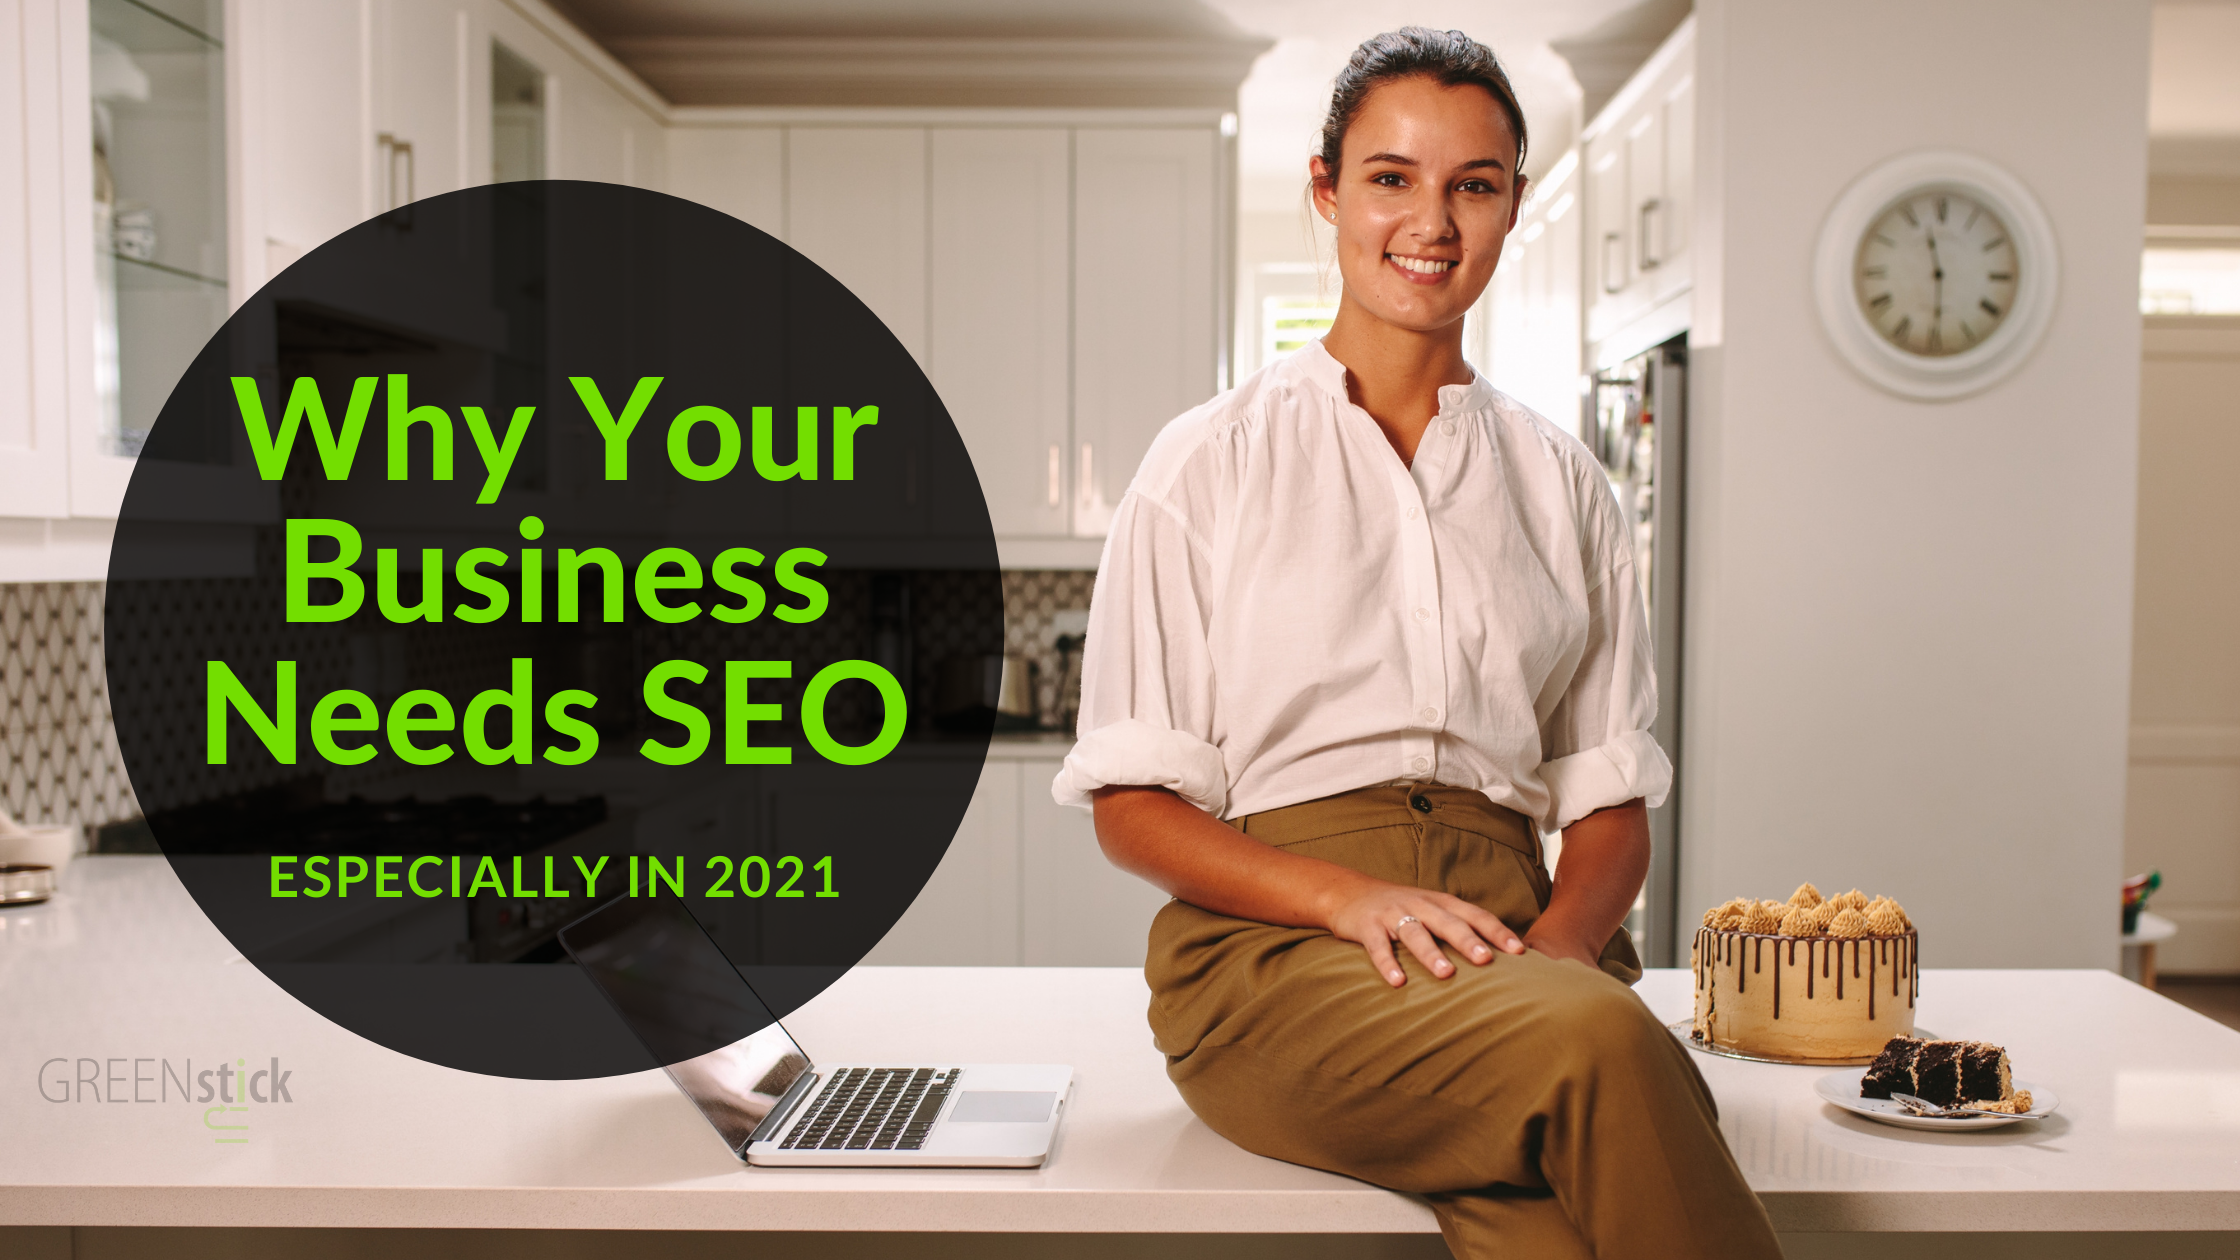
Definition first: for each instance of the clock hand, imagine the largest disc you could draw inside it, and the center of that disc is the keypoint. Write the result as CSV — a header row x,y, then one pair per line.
x,y
1937,265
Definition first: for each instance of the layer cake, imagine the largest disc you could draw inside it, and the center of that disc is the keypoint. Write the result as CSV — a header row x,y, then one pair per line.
x,y
1811,978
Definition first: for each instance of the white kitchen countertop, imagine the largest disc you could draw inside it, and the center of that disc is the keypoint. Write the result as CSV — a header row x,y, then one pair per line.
x,y
122,966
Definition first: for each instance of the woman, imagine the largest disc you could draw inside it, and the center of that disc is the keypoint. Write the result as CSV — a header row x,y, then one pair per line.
x,y
1361,624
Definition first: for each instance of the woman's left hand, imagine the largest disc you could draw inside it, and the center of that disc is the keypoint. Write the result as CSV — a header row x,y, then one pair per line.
x,y
1605,858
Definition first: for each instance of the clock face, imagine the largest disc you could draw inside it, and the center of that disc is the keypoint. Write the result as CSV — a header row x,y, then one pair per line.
x,y
1935,274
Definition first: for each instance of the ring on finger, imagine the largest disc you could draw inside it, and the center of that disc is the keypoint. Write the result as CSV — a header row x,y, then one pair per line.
x,y
1405,920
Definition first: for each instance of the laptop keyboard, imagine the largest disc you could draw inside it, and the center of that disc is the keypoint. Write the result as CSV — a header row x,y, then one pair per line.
x,y
873,1109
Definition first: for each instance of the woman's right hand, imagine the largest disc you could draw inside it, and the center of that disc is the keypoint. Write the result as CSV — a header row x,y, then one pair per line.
x,y
1376,914
1151,832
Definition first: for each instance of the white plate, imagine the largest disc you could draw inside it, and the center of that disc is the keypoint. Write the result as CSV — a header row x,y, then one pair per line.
x,y
1842,1089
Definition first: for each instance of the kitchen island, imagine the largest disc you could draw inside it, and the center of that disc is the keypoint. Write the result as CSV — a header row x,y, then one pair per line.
x,y
122,982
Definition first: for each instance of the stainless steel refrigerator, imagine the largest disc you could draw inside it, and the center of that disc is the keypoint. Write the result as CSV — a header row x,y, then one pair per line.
x,y
1636,422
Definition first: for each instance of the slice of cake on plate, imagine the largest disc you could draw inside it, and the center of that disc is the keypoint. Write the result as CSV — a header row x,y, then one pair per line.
x,y
1946,1073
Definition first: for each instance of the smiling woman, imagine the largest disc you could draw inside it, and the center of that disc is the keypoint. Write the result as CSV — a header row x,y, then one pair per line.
x,y
1364,628
1423,150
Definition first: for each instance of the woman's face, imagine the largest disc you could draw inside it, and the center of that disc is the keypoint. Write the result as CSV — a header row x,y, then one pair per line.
x,y
1426,193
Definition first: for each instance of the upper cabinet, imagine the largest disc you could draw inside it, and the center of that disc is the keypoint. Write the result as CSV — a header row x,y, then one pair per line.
x,y
1061,274
119,236
40,48
1146,325
856,203
1001,279
421,71
1638,156
167,157
1532,307
1062,284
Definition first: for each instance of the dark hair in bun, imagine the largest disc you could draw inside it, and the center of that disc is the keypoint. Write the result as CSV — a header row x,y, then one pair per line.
x,y
1449,57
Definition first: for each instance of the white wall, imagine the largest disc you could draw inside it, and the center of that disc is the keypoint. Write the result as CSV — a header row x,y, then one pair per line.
x,y
1909,624
2184,808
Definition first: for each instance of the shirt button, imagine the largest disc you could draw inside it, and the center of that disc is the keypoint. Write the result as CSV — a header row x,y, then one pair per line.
x,y
1447,427
1413,513
1423,614
1429,714
1421,763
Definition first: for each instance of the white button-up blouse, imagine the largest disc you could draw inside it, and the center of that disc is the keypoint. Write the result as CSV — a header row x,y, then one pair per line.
x,y
1285,611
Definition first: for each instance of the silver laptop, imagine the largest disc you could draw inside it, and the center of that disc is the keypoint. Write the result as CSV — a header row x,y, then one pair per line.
x,y
763,1095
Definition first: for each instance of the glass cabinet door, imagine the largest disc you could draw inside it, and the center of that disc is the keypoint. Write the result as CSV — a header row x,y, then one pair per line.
x,y
159,202
516,117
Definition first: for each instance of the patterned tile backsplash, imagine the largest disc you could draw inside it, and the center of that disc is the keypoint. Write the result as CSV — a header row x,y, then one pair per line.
x,y
1032,598
58,746
58,749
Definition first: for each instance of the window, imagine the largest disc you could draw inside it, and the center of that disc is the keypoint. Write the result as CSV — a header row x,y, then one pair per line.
x,y
2190,279
1287,323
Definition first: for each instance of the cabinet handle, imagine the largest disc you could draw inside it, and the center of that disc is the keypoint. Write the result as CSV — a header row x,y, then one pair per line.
x,y
1649,255
1057,474
1086,485
1613,262
396,148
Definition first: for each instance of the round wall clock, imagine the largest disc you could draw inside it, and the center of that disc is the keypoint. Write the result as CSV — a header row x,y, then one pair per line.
x,y
1935,274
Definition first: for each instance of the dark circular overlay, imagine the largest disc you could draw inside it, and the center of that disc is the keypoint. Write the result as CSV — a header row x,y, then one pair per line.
x,y
533,546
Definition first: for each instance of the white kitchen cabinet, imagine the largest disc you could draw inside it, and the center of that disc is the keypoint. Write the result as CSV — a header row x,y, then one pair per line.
x,y
968,915
1610,242
1532,306
1078,910
1060,283
1001,261
1059,273
1675,225
36,359
1639,156
601,122
856,205
301,92
421,116
1146,324
738,170
318,135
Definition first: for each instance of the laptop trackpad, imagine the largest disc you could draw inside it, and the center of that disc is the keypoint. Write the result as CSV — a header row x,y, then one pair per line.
x,y
1013,1106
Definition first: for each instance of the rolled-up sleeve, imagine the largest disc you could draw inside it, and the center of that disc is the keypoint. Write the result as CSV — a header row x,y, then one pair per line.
x,y
1147,681
1596,741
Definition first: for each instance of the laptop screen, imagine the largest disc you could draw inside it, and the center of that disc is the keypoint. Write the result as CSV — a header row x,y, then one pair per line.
x,y
680,995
